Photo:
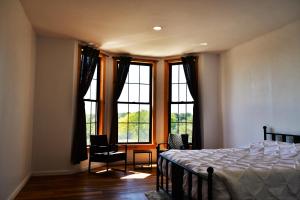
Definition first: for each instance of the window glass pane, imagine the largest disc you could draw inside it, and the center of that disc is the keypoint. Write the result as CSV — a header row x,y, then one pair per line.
x,y
88,94
88,134
145,74
93,112
182,92
144,93
182,113
122,132
144,132
88,142
136,116
88,129
133,113
189,96
189,112
174,112
122,112
133,92
91,108
133,132
144,113
175,77
93,88
124,94
182,128
93,129
87,108
133,74
95,74
181,118
175,92
189,131
92,91
182,78
174,128
127,78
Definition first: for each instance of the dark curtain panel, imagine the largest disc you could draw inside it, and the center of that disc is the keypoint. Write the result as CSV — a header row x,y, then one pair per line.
x,y
189,66
89,61
122,71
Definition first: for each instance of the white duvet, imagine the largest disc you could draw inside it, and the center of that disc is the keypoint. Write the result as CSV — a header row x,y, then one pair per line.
x,y
265,170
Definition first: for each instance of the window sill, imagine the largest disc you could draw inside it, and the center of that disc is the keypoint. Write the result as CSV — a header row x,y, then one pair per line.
x,y
134,146
139,146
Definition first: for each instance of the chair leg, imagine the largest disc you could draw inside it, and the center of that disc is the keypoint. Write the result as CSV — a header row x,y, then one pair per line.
x,y
107,166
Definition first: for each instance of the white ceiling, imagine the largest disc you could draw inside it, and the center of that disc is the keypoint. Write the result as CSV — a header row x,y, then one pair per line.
x,y
125,26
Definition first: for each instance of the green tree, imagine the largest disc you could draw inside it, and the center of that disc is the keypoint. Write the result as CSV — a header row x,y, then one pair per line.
x,y
182,123
90,127
137,128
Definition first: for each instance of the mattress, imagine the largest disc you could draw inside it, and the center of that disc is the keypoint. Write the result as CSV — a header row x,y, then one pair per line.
x,y
263,170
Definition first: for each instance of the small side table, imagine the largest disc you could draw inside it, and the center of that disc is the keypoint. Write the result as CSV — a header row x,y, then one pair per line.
x,y
149,152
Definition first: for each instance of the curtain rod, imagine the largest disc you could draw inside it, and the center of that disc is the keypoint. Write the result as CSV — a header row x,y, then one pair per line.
x,y
138,59
101,52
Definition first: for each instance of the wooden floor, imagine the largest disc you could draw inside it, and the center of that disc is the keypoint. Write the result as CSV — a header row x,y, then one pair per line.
x,y
105,185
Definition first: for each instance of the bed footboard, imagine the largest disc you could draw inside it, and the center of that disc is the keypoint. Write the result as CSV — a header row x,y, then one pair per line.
x,y
176,192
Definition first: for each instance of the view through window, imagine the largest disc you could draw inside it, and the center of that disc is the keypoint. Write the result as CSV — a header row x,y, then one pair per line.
x,y
91,100
134,105
181,103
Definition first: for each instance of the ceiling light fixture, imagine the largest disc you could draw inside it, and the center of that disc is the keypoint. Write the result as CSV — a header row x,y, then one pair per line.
x,y
203,44
157,28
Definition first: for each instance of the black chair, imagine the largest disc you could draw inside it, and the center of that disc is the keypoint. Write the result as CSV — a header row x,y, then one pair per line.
x,y
175,141
101,151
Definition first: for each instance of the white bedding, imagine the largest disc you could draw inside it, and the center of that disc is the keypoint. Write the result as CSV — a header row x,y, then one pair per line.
x,y
265,170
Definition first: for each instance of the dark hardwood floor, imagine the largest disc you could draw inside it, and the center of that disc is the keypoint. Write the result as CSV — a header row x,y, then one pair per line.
x,y
105,185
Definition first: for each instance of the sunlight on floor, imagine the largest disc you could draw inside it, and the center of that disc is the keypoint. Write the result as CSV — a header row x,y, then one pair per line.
x,y
102,171
136,175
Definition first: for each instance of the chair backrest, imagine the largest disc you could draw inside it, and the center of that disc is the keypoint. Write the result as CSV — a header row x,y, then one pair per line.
x,y
175,141
99,140
178,141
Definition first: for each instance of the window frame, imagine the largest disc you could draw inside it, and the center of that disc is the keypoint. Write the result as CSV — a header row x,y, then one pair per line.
x,y
170,102
139,103
97,101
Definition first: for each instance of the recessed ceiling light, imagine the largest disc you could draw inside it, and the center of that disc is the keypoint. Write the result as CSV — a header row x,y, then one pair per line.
x,y
203,44
157,28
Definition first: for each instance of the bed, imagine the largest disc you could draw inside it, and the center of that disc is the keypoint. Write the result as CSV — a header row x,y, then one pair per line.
x,y
265,170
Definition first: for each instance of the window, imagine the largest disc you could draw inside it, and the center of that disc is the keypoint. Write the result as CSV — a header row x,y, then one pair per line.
x,y
91,100
134,106
181,102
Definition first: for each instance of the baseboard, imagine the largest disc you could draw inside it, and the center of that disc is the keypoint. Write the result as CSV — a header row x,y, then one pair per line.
x,y
19,188
53,172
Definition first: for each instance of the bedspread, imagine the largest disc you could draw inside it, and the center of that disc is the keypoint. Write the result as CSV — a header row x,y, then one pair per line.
x,y
264,170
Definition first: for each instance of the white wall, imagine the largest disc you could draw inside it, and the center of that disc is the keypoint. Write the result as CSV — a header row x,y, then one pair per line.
x,y
55,95
209,90
260,86
17,61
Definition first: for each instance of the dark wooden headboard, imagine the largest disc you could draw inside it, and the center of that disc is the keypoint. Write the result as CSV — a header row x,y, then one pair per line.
x,y
284,137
